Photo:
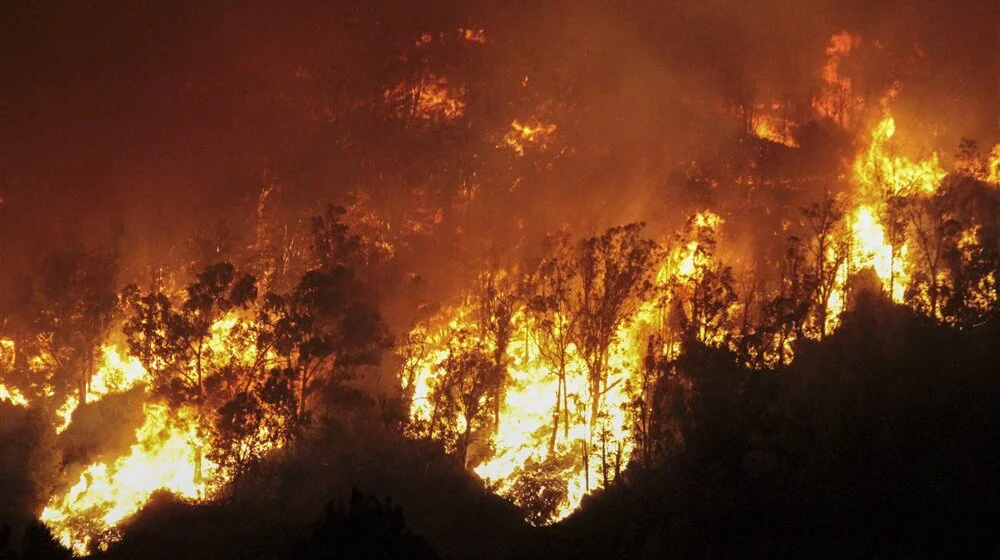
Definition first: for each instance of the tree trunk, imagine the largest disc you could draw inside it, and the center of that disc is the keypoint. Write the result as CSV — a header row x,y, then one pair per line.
x,y
555,417
467,437
565,408
604,458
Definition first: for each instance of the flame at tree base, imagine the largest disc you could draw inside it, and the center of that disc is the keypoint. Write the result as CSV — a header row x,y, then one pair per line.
x,y
163,457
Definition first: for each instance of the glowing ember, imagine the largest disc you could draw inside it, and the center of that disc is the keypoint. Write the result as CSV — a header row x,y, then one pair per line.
x,y
12,395
521,136
774,130
431,99
473,35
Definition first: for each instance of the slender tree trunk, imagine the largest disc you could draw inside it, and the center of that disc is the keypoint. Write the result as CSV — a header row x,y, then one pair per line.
x,y
565,408
199,430
555,416
467,438
604,458
302,393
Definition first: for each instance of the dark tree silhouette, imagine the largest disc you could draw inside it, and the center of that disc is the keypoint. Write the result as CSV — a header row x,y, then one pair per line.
x,y
613,275
366,528
174,344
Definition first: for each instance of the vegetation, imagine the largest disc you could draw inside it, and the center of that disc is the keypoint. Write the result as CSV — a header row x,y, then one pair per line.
x,y
481,282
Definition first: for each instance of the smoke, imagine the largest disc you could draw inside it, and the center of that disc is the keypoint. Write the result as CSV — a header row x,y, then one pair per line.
x,y
151,124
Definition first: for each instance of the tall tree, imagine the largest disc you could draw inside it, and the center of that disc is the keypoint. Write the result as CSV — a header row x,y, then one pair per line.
x,y
76,303
498,297
551,306
324,330
613,275
827,248
175,344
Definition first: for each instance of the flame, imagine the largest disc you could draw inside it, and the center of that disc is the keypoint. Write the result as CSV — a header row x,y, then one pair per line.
x,y
12,395
473,35
65,413
985,291
116,374
835,99
9,394
775,130
881,170
527,412
576,457
879,173
870,249
430,99
108,492
521,136
170,452
993,166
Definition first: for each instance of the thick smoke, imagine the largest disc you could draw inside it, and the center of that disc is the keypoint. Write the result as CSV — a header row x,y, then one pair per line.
x,y
143,127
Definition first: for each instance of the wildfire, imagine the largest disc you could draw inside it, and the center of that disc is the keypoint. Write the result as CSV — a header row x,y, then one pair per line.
x,y
65,413
9,394
881,171
836,100
108,492
12,395
991,173
431,99
870,249
170,453
524,436
775,130
881,175
116,374
532,457
521,136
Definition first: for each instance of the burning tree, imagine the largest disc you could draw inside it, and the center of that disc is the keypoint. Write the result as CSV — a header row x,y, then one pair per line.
x,y
497,299
252,423
175,345
828,252
323,331
613,275
702,291
551,306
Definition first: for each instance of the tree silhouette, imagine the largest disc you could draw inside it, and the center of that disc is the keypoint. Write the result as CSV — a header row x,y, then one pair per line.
x,y
365,528
498,297
827,248
612,271
551,306
324,330
173,344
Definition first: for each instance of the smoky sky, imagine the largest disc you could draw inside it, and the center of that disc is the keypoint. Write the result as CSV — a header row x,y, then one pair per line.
x,y
156,118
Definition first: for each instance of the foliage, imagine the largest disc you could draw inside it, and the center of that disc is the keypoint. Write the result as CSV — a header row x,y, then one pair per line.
x,y
174,343
613,275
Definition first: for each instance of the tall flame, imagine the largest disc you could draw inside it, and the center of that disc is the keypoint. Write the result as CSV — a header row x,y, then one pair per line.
x,y
108,492
168,454
578,458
